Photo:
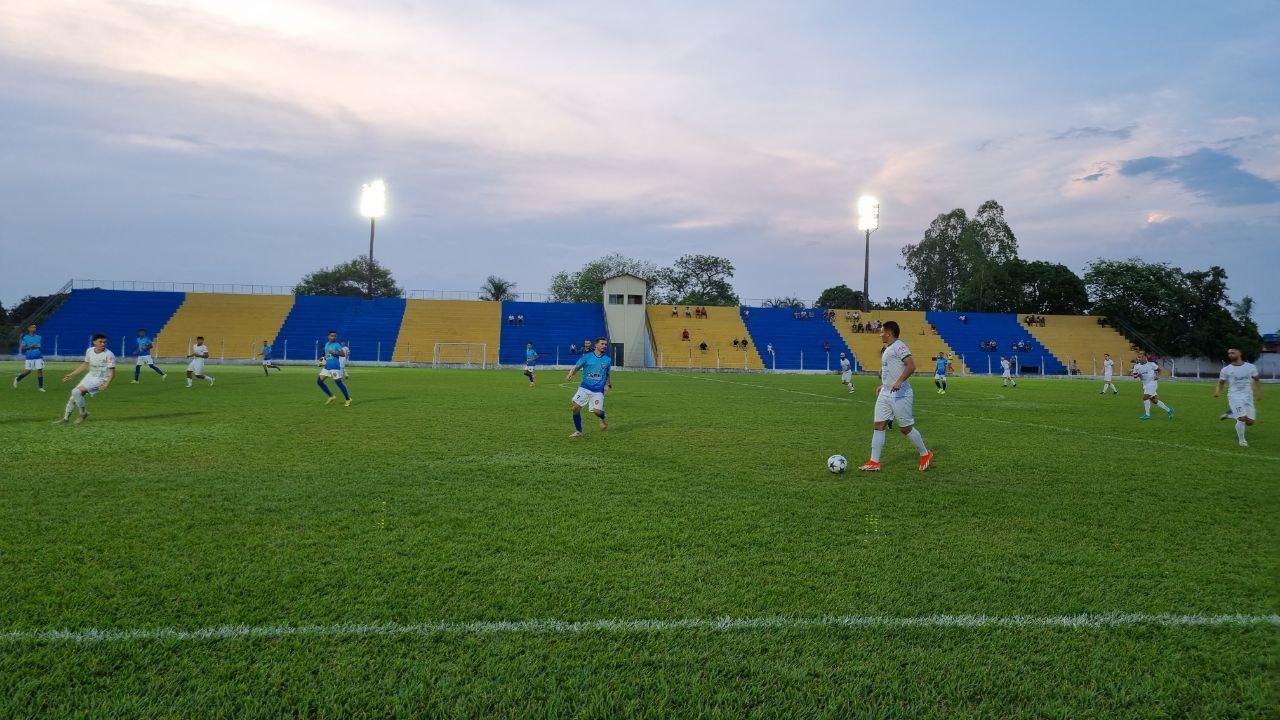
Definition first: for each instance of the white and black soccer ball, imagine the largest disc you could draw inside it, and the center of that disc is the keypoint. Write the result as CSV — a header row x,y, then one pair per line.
x,y
837,464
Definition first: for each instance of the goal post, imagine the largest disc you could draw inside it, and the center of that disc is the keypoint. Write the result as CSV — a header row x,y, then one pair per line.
x,y
450,354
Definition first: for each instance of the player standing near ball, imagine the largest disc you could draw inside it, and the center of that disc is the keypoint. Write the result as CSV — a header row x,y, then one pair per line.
x,y
332,369
101,364
846,372
894,398
1243,383
530,360
199,353
145,343
595,369
1149,373
32,358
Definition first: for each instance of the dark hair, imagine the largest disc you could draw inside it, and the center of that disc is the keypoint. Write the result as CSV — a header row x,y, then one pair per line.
x,y
602,339
142,329
99,336
892,326
333,332
199,337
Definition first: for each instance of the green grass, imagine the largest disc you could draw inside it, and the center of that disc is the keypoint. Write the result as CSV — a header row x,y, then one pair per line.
x,y
456,496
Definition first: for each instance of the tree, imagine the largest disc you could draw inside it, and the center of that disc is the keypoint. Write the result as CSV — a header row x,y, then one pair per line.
x,y
1035,287
840,297
904,303
583,285
349,278
698,280
784,302
496,288
959,262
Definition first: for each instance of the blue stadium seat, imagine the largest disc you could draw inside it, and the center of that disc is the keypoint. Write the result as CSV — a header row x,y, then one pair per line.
x,y
116,313
797,344
965,338
551,327
364,323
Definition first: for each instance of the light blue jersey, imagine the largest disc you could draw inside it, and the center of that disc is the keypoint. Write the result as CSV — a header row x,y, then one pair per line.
x,y
333,356
530,356
32,345
144,345
595,371
266,352
942,365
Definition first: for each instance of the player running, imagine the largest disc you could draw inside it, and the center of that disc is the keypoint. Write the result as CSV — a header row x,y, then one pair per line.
x,y
940,365
101,366
199,353
32,358
332,369
894,398
595,368
846,372
1006,374
1243,386
267,363
1149,373
1108,372
145,344
342,359
530,360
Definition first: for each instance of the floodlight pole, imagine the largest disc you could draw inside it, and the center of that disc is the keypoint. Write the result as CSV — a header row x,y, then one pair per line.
x,y
371,222
866,275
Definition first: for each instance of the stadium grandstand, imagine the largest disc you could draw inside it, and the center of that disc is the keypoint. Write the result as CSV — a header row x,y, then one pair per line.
x,y
719,329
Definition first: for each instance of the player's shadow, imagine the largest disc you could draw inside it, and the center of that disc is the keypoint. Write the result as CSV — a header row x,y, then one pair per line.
x,y
371,401
157,416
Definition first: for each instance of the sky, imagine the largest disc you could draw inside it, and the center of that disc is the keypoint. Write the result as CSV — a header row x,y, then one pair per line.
x,y
226,141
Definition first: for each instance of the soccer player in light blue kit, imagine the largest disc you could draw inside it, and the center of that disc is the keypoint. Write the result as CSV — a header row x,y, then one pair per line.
x,y
32,358
940,364
595,378
333,353
530,359
267,362
144,356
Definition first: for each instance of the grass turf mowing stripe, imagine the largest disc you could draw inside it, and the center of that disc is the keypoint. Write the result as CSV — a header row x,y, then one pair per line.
x,y
1019,423
569,627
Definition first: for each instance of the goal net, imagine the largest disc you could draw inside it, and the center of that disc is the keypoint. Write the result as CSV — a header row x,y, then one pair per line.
x,y
460,354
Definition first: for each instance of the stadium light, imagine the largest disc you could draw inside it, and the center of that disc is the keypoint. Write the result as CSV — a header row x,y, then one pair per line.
x,y
373,205
869,222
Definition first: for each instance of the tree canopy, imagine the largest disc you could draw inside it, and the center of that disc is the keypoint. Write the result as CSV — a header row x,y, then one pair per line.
x,y
349,278
499,289
691,280
583,285
785,301
959,261
840,297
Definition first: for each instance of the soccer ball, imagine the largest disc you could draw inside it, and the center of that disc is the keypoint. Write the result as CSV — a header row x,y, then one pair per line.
x,y
837,464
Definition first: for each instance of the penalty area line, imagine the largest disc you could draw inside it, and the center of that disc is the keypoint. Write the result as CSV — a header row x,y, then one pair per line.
x,y
572,627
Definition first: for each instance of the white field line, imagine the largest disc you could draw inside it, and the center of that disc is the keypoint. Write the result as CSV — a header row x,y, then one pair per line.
x,y
1018,423
714,625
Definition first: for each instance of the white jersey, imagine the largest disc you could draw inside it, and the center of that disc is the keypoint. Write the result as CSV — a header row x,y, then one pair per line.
x,y
100,363
1108,367
1147,372
346,353
893,361
1239,380
844,365
1004,366
199,351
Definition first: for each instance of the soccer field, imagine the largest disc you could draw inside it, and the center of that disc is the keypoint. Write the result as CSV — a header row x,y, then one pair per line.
x,y
443,548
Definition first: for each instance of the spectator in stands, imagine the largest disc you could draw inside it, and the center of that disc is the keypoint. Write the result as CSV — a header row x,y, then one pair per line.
x,y
826,346
587,347
685,335
675,311
746,312
745,342
964,319
573,349
687,313
511,319
769,349
520,319
702,346
857,316
735,343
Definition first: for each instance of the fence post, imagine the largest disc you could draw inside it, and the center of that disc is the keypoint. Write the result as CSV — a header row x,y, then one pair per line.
x,y
802,360
55,344
717,358
1041,366
379,352
828,353
988,364
286,348
122,338
316,350
557,354
222,351
1197,368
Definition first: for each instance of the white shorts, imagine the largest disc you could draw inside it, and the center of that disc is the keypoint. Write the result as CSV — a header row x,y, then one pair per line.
x,y
895,407
145,360
1006,375
1106,378
36,364
1243,407
528,368
91,384
1149,388
331,374
342,362
196,366
588,399
939,376
267,361
846,376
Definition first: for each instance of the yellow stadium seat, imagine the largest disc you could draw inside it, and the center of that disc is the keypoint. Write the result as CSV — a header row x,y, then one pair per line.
x,y
427,322
233,326
718,330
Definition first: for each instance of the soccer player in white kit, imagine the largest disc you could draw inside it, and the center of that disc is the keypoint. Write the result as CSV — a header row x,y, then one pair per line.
x,y
1108,372
846,372
101,366
199,353
1149,373
343,358
1006,376
1243,385
894,398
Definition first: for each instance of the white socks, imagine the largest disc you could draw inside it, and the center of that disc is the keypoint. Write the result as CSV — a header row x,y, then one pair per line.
x,y
75,401
918,440
1240,426
877,444
1160,404
1146,407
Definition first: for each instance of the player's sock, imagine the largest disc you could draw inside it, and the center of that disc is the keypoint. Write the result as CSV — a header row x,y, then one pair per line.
x,y
323,387
577,422
602,416
137,372
944,386
1146,407
266,371
208,379
345,395
19,378
1240,426
40,381
877,444
158,370
918,440
937,384
71,405
79,398
1160,404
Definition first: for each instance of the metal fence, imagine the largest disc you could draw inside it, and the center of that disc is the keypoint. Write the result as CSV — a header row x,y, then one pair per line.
x,y
250,289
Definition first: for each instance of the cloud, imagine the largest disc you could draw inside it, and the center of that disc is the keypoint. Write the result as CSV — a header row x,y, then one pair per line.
x,y
1211,174
1092,131
1092,177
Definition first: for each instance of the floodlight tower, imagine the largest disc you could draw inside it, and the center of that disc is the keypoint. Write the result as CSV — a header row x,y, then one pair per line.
x,y
868,221
373,205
